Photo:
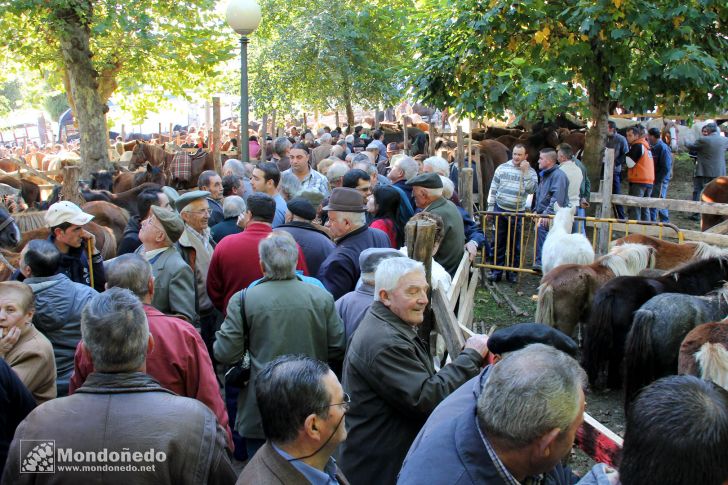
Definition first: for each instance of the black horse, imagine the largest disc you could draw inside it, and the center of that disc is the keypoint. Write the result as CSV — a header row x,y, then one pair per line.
x,y
615,303
9,232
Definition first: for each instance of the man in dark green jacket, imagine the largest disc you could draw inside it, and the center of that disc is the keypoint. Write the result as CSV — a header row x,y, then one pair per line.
x,y
389,374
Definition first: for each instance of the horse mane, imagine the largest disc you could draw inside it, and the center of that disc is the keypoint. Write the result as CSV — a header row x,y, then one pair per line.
x,y
30,220
712,358
705,251
628,259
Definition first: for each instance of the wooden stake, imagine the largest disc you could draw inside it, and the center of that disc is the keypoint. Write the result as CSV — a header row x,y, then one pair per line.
x,y
466,196
216,139
605,211
431,133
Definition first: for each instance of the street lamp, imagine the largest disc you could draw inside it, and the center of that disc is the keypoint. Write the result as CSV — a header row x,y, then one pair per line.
x,y
243,16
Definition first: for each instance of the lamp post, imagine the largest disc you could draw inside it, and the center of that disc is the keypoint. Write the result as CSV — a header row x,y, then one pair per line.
x,y
243,16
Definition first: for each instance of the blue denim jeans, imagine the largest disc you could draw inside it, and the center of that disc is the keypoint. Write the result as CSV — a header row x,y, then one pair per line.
x,y
660,191
541,233
514,249
640,190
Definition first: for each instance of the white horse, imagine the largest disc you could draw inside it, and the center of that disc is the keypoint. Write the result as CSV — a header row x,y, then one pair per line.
x,y
563,247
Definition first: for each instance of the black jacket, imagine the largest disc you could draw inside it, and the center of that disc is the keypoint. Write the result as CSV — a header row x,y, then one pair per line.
x,y
74,264
315,245
130,240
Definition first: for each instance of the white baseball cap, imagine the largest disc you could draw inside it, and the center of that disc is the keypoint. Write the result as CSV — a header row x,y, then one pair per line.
x,y
66,211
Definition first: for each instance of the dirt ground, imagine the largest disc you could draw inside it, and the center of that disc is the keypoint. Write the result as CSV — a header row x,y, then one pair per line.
x,y
604,406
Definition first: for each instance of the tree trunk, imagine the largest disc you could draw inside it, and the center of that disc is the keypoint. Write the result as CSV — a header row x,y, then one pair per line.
x,y
74,43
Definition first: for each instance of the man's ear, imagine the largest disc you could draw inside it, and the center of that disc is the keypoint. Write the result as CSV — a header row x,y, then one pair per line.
x,y
545,443
310,427
150,344
150,286
384,297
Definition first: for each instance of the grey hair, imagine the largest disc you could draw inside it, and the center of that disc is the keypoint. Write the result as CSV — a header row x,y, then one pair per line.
x,y
391,270
435,192
529,393
235,166
438,165
369,168
409,166
130,271
336,171
289,186
325,138
357,219
280,145
360,158
115,331
448,187
233,206
278,254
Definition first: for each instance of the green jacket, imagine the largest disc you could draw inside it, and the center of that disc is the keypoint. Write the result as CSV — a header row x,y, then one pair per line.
x,y
453,240
284,317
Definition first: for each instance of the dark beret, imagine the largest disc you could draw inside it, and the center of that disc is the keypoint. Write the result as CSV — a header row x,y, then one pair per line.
x,y
427,180
518,336
302,208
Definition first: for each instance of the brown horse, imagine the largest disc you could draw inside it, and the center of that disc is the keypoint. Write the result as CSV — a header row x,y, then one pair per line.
x,y
29,190
704,353
145,152
669,255
125,200
105,240
715,191
9,262
128,180
108,215
566,293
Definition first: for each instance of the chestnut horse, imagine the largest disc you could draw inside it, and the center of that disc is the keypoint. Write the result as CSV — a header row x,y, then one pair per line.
x,y
126,200
108,215
669,255
566,293
128,180
28,190
158,157
704,353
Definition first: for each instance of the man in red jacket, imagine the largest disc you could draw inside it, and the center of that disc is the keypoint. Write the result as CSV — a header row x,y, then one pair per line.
x,y
179,358
235,263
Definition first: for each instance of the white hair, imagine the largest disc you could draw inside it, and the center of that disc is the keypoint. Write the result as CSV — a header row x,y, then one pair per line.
x,y
434,193
357,219
233,206
325,138
389,272
438,165
448,187
349,139
409,166
235,166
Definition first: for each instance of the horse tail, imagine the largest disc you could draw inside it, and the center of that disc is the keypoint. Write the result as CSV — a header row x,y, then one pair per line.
x,y
545,307
713,361
598,334
639,368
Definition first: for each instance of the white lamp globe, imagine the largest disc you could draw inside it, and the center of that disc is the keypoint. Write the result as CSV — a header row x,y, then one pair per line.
x,y
243,16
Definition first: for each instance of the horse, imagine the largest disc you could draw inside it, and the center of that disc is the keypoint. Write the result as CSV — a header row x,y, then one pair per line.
x,y
199,162
563,247
704,353
670,255
102,180
28,190
128,180
565,294
615,303
9,231
714,191
126,200
9,262
658,328
108,215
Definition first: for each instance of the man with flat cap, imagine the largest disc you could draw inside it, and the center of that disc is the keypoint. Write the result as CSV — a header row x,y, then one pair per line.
x,y
476,435
427,192
314,243
174,283
197,245
354,305
347,222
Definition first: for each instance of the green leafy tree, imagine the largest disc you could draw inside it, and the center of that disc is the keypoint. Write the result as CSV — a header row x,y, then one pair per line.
x,y
540,58
94,48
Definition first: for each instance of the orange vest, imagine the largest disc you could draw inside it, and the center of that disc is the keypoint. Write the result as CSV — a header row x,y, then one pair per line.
x,y
644,171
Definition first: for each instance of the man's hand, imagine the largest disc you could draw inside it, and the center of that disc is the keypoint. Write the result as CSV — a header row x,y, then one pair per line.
x,y
583,203
9,340
524,166
478,343
544,222
88,236
472,248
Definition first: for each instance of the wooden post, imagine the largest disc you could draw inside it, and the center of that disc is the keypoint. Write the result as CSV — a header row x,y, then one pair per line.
x,y
336,117
171,132
605,211
263,139
466,196
273,124
404,136
159,131
376,119
431,134
305,122
419,238
216,139
461,148
123,132
207,115
69,191
479,176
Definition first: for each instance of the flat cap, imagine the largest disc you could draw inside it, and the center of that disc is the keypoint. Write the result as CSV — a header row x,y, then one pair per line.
x,y
370,258
313,196
171,194
188,197
427,180
345,199
171,222
520,335
302,208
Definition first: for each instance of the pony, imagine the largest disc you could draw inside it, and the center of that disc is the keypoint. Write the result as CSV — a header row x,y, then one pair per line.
x,y
28,190
615,303
658,328
9,231
128,180
714,191
565,294
108,215
670,255
563,247
155,155
126,200
704,353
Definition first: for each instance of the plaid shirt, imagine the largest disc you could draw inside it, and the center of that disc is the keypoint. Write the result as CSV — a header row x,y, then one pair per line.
x,y
314,180
508,479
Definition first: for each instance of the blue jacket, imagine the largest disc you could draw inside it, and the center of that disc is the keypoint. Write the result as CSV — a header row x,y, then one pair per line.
x,y
224,228
449,449
216,214
315,245
662,157
553,187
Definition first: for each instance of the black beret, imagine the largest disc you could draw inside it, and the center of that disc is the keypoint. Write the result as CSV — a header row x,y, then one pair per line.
x,y
302,208
427,180
518,336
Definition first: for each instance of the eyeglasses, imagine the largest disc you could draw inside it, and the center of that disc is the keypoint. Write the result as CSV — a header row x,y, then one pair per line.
x,y
346,405
201,211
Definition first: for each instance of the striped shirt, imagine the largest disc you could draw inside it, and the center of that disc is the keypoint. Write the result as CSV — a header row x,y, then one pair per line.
x,y
505,475
510,187
313,181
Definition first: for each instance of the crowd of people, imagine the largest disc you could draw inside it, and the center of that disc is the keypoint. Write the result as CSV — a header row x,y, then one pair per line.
x,y
272,315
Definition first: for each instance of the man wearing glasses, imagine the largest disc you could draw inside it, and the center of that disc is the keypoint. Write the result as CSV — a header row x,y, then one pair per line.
x,y
302,407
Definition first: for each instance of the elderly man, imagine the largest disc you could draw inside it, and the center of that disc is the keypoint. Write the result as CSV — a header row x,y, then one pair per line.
x,y
335,174
640,170
58,304
210,181
354,305
477,435
145,200
427,191
347,222
179,361
322,151
315,244
710,150
266,178
279,156
232,207
553,189
403,169
66,221
662,157
389,373
280,315
174,280
240,169
233,185
300,167
120,398
302,408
